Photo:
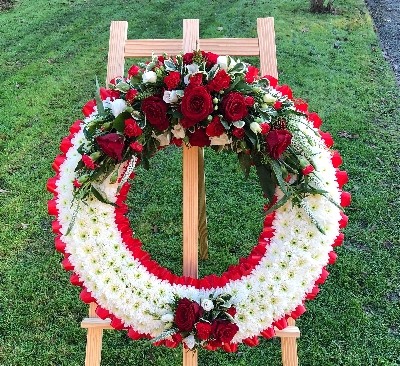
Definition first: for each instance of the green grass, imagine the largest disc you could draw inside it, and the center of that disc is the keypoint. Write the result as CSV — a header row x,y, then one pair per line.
x,y
51,53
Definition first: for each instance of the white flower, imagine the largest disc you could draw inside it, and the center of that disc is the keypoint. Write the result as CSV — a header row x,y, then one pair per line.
x,y
117,106
190,341
178,131
207,304
164,138
167,318
223,61
269,99
149,77
221,140
170,96
255,127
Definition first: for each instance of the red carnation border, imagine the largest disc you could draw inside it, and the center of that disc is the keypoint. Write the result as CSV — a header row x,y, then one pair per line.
x,y
234,272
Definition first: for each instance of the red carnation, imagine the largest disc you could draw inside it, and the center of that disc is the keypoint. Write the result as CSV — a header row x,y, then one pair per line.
x,y
155,110
131,95
273,82
234,107
187,314
88,162
265,127
196,79
89,107
238,133
132,129
108,93
133,71
112,145
301,105
251,74
249,101
203,330
215,128
136,146
196,104
231,311
315,119
277,142
221,81
285,90
223,330
278,105
199,138
308,169
172,80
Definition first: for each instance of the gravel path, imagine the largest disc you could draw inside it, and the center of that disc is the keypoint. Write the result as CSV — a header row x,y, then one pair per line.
x,y
386,15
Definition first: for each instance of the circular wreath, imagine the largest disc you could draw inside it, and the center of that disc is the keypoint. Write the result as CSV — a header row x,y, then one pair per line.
x,y
198,99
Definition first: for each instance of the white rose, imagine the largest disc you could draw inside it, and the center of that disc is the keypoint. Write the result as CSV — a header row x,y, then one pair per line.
x,y
190,341
167,318
178,131
164,138
269,99
220,140
149,77
255,127
117,106
207,304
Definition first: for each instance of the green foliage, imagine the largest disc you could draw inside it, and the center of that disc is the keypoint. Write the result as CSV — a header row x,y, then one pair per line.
x,y
49,61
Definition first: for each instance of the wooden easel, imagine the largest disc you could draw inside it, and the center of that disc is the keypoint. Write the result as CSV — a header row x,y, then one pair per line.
x,y
194,218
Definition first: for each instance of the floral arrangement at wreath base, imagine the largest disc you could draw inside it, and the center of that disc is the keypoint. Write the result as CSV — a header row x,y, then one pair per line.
x,y
198,99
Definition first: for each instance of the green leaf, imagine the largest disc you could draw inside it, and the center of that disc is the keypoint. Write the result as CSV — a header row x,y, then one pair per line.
x,y
99,196
169,65
99,103
245,163
278,174
280,203
267,181
119,121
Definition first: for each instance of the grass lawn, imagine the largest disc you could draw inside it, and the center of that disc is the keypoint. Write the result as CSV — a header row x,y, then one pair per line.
x,y
51,52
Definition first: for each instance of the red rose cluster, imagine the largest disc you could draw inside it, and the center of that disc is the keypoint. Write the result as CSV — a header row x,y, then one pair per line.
x,y
191,317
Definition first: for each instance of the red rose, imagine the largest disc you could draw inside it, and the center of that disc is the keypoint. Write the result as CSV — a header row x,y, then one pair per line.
x,y
136,146
108,93
223,330
211,59
199,138
238,133
265,127
234,107
196,79
220,81
277,142
285,90
88,162
187,314
172,80
196,104
188,58
215,128
132,129
155,110
203,330
88,108
251,74
112,145
133,71
273,82
131,95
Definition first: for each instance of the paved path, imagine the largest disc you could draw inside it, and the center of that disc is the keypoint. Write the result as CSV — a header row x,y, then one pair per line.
x,y
386,15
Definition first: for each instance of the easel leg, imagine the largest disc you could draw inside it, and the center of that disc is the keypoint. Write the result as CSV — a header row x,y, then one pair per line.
x,y
203,243
289,348
93,347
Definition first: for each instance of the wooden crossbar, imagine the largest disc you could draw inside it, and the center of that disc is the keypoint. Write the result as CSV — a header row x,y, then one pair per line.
x,y
194,218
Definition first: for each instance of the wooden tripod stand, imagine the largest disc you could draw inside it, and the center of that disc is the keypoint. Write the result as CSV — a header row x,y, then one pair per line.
x,y
194,218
